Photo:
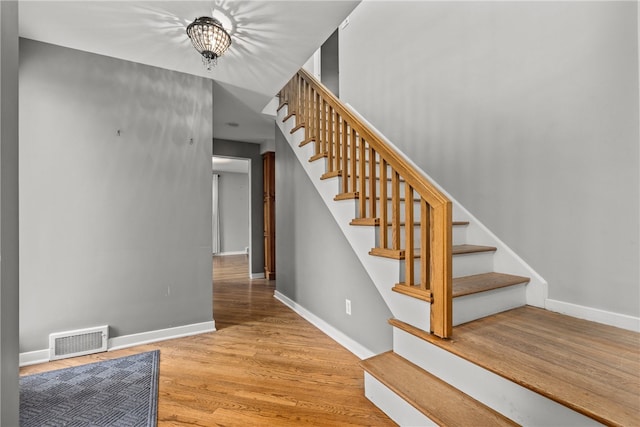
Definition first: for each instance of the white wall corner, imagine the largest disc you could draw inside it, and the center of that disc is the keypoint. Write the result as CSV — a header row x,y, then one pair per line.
x,y
618,320
347,342
256,275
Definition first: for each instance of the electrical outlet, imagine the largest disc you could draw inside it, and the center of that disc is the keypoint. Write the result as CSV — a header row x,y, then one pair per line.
x,y
347,306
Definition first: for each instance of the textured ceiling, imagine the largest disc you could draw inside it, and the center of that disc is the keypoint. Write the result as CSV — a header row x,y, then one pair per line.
x,y
271,40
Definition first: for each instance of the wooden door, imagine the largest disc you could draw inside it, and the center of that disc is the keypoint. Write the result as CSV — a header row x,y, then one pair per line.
x,y
269,185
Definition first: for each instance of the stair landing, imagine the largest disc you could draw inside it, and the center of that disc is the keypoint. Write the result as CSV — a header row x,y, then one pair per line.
x,y
591,368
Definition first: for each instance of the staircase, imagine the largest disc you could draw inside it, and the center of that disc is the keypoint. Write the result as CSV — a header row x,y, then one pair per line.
x,y
436,266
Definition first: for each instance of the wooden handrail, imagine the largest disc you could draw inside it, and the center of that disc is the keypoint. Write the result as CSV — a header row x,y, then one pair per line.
x,y
366,164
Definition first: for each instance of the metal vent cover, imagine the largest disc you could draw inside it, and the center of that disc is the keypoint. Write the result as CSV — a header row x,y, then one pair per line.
x,y
78,342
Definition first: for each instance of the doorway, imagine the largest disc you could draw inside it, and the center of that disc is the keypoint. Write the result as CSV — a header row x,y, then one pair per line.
x,y
231,207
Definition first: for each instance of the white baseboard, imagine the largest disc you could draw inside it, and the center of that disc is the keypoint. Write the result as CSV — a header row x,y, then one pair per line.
x,y
34,357
230,253
117,343
595,315
256,275
125,341
350,344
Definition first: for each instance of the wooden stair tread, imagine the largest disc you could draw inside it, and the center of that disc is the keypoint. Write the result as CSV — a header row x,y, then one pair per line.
x,y
470,249
376,221
441,402
589,367
389,179
477,283
317,157
417,223
455,250
307,141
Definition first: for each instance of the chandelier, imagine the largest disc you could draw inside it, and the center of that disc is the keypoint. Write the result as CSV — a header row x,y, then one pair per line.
x,y
209,38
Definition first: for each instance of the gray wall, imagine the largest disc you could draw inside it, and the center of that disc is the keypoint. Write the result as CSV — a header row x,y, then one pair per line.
x,y
233,203
113,229
527,112
315,265
247,150
9,394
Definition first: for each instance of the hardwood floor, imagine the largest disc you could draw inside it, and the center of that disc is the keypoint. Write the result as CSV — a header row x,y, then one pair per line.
x,y
265,366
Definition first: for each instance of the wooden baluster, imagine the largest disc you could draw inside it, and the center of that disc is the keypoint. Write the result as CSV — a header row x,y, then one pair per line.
x,y
409,259
354,143
303,93
338,140
292,100
308,117
326,130
320,141
331,140
300,114
372,183
297,99
363,179
425,245
301,100
395,210
290,105
287,93
345,156
383,204
313,130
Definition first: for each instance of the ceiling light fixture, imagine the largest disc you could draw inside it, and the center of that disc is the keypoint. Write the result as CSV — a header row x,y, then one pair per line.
x,y
209,38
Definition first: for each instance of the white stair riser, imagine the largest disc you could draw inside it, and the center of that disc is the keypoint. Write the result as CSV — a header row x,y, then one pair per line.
x,y
483,304
463,265
398,409
510,399
402,213
368,190
469,264
458,235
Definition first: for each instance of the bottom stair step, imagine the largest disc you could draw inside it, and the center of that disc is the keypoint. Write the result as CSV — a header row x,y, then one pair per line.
x,y
468,285
437,400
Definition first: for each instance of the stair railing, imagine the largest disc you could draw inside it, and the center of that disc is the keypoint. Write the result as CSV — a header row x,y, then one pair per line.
x,y
380,179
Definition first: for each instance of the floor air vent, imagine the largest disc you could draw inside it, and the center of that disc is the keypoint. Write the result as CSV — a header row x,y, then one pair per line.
x,y
78,343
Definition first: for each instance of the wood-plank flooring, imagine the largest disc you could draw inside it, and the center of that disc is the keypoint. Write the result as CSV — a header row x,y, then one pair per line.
x,y
265,366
